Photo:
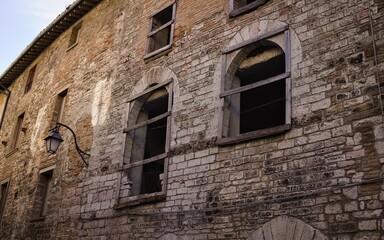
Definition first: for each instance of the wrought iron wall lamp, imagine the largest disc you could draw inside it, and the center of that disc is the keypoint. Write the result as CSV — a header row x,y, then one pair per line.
x,y
54,139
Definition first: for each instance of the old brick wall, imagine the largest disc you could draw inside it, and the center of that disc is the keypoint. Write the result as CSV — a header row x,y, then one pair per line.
x,y
324,173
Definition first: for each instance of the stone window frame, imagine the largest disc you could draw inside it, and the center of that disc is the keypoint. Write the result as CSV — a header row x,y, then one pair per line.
x,y
43,193
234,11
4,188
223,140
74,37
30,78
134,105
170,24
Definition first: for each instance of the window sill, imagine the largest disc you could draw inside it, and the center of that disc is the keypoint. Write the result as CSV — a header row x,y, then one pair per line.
x,y
142,199
10,153
247,8
37,219
253,135
71,47
158,53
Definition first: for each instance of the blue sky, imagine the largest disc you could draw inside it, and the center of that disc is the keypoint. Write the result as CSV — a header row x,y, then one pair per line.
x,y
21,21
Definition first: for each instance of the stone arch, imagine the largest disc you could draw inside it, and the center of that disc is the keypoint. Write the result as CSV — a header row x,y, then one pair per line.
x,y
286,227
257,29
154,76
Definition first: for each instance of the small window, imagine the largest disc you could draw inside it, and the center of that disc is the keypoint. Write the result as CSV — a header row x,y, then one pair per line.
x,y
4,96
147,137
256,91
238,7
59,106
161,31
18,132
3,198
30,78
74,38
44,191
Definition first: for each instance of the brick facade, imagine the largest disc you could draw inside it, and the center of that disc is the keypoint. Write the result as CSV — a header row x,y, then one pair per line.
x,y
319,178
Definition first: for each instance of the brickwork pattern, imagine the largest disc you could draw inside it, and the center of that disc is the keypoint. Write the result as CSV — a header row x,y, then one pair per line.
x,y
324,175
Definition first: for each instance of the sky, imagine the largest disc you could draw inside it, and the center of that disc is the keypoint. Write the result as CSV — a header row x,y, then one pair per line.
x,y
21,21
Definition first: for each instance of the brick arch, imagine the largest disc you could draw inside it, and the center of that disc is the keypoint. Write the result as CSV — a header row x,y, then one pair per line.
x,y
286,227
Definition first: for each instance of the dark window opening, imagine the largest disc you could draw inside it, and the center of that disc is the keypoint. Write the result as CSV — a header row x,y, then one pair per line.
x,y
161,30
3,198
4,97
264,106
149,143
31,75
44,191
18,131
239,7
74,38
161,18
58,112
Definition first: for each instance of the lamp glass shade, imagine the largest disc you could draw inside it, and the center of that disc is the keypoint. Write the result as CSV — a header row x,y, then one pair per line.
x,y
53,141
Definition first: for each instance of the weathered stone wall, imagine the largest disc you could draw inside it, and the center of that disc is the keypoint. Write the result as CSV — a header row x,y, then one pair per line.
x,y
322,176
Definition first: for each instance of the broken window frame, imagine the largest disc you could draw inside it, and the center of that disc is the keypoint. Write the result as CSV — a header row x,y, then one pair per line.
x,y
236,11
151,33
4,187
154,196
223,140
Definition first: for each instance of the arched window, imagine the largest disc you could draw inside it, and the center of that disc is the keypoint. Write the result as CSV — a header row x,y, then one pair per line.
x,y
256,89
146,149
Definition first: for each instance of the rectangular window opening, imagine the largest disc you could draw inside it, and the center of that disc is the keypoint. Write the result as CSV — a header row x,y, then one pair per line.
x,y
161,31
59,109
30,78
44,190
18,131
4,96
3,198
74,38
238,7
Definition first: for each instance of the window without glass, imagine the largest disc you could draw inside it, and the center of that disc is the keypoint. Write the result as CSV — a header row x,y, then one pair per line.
x,y
4,96
238,7
74,38
60,105
18,132
44,191
161,31
256,95
145,157
3,198
30,78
